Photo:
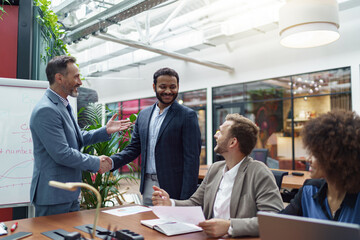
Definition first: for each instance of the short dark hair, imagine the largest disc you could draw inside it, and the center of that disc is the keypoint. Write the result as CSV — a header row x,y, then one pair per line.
x,y
245,131
58,65
165,71
334,140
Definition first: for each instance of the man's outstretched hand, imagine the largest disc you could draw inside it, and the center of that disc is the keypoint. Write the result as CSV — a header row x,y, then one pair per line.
x,y
114,126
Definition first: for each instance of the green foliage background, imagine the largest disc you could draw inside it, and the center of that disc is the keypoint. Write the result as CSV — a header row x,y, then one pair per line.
x,y
51,30
107,183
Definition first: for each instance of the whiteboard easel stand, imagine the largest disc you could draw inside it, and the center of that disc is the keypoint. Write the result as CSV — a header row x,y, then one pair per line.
x,y
31,208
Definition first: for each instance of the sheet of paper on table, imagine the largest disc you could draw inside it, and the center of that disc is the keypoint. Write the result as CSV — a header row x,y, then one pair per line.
x,y
190,214
127,210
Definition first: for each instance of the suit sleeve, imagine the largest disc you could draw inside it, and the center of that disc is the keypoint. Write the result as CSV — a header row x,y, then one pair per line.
x,y
267,197
131,151
51,134
95,136
295,208
191,140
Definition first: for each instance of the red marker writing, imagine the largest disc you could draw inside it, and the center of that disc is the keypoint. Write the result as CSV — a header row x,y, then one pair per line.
x,y
14,227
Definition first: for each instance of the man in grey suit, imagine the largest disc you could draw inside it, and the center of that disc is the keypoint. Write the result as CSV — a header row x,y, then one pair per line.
x,y
57,140
168,137
235,189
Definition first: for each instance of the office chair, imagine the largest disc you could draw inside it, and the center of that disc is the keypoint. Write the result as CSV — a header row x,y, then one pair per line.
x,y
260,154
279,177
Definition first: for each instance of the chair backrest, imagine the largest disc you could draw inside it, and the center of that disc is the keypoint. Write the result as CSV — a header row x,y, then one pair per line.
x,y
218,157
279,177
260,154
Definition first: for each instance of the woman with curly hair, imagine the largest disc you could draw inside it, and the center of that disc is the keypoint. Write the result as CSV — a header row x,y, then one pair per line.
x,y
333,141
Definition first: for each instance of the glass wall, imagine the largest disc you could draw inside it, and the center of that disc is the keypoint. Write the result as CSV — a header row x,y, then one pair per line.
x,y
195,100
281,106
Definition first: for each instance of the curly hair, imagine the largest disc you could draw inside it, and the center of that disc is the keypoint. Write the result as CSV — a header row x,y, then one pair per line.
x,y
245,131
334,140
165,71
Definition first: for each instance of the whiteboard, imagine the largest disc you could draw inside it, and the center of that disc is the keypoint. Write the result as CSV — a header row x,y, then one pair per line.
x,y
17,100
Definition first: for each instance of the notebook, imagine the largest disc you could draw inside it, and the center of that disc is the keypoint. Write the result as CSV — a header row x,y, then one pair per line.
x,y
284,227
170,228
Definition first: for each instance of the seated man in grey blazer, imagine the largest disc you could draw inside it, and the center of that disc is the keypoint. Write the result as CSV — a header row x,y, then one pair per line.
x,y
234,189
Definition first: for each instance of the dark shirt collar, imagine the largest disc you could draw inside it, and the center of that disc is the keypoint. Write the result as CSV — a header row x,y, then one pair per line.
x,y
321,194
349,200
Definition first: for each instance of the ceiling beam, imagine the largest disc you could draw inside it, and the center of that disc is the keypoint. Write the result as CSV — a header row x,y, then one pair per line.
x,y
117,13
175,55
171,16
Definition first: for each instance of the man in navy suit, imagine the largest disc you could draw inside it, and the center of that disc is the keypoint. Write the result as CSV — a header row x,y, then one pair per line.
x,y
57,140
167,136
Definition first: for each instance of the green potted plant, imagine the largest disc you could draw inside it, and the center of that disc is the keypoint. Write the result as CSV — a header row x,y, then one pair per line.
x,y
52,31
108,183
2,11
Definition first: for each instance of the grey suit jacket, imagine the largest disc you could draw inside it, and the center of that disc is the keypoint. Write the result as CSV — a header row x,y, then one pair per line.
x,y
56,151
254,190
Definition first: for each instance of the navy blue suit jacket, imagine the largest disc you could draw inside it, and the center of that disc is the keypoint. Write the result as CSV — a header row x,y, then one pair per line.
x,y
177,150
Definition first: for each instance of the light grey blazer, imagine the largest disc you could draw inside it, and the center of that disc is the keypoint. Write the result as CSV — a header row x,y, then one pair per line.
x,y
254,190
56,151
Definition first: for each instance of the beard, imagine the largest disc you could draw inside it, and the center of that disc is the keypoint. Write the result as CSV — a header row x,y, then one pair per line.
x,y
71,91
221,148
159,97
74,93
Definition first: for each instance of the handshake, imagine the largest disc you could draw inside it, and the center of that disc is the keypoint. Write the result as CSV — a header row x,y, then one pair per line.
x,y
105,164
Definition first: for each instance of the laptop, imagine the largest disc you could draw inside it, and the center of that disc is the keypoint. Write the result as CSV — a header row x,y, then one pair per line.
x,y
273,226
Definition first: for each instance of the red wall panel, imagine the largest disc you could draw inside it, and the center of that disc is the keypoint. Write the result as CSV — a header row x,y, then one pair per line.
x,y
8,61
8,41
5,214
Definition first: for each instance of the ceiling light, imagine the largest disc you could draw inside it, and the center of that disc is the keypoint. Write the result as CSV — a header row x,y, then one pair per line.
x,y
308,23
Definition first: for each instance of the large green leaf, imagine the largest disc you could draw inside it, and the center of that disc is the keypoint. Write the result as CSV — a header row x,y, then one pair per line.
x,y
107,183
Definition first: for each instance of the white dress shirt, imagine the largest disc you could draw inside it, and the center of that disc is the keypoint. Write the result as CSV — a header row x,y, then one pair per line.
x,y
223,195
222,200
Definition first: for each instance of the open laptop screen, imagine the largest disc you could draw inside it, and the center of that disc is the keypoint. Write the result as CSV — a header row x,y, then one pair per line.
x,y
273,226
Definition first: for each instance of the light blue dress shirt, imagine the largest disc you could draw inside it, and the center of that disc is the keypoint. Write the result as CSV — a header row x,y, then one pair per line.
x,y
156,121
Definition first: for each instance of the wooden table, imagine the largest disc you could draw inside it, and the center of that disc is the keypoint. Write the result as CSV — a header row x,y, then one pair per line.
x,y
67,222
289,181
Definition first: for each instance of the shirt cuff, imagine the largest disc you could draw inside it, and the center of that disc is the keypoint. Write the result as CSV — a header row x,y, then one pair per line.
x,y
112,163
230,231
172,202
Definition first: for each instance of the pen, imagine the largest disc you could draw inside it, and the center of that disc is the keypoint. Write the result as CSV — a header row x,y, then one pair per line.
x,y
3,225
14,227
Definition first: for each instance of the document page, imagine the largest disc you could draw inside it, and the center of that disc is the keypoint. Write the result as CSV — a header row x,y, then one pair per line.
x,y
192,214
127,210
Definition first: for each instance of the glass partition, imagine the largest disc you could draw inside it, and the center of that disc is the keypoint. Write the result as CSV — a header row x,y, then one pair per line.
x,y
281,106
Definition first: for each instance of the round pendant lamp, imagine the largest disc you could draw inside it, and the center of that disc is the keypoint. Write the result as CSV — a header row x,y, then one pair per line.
x,y
308,23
